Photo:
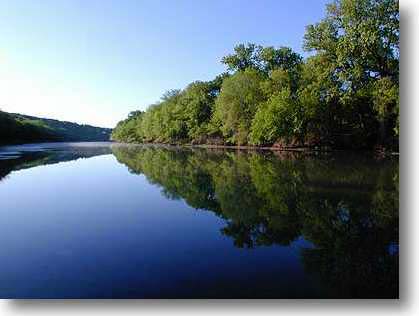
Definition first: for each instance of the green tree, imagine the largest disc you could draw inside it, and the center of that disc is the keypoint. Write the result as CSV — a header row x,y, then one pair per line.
x,y
245,56
345,95
283,57
319,95
151,124
237,104
197,102
385,96
362,36
279,117
128,130
359,39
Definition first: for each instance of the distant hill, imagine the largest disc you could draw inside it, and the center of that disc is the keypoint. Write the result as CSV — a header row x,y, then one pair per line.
x,y
19,128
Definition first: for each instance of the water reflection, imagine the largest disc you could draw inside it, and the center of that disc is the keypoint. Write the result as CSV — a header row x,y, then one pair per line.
x,y
13,158
345,208
345,205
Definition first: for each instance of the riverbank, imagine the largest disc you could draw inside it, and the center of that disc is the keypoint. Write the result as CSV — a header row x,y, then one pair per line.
x,y
378,151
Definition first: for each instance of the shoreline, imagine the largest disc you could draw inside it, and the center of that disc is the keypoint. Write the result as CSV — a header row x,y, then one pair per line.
x,y
228,147
262,148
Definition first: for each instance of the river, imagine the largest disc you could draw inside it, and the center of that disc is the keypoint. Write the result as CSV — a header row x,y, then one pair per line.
x,y
103,220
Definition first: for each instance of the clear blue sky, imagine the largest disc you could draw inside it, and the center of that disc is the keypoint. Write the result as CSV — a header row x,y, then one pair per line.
x,y
95,61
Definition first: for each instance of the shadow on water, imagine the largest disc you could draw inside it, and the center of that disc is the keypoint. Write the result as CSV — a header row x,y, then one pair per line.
x,y
346,206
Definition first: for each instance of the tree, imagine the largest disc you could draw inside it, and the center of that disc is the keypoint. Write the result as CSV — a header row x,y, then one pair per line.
x,y
264,59
279,117
385,96
237,104
362,36
345,95
358,43
319,95
284,58
245,56
197,103
278,80
127,130
151,124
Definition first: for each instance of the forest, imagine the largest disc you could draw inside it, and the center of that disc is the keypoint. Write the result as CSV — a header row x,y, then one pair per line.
x,y
343,95
19,128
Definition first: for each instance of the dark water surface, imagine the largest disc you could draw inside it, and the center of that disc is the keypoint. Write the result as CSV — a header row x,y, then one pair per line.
x,y
155,222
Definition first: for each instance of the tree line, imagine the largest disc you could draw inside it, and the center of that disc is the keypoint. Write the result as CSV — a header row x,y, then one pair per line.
x,y
344,95
18,131
19,128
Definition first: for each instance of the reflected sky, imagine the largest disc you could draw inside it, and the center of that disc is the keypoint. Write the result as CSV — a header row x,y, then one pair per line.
x,y
95,221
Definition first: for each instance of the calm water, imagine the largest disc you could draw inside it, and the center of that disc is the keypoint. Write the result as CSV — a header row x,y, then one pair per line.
x,y
102,221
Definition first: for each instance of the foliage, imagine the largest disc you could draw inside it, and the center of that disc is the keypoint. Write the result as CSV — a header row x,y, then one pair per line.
x,y
279,117
127,130
237,104
264,59
359,41
244,57
344,95
18,128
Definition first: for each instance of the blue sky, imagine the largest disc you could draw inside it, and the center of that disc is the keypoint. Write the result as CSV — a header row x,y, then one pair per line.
x,y
95,61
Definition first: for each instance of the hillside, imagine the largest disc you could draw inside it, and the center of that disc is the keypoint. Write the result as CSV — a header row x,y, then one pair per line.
x,y
19,128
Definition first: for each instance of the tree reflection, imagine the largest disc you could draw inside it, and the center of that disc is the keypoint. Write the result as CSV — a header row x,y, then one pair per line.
x,y
346,206
18,158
